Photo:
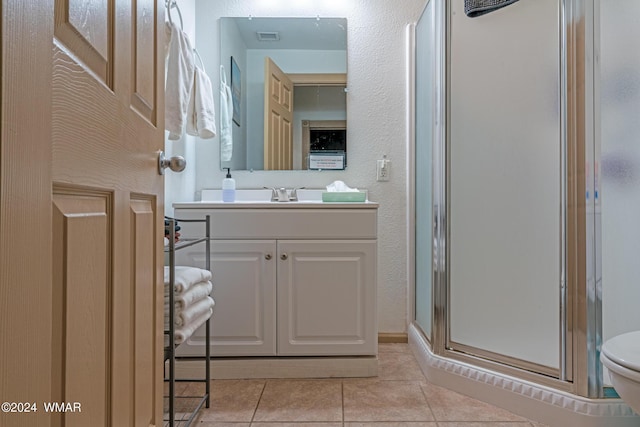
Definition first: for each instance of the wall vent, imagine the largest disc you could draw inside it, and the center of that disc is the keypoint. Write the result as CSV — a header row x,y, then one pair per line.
x,y
268,36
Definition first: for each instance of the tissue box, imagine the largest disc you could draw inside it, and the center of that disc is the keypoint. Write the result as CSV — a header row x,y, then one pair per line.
x,y
344,196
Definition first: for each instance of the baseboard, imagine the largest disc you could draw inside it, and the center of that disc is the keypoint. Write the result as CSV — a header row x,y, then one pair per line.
x,y
392,337
280,367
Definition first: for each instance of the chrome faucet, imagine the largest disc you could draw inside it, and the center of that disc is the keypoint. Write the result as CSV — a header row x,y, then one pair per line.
x,y
294,194
283,195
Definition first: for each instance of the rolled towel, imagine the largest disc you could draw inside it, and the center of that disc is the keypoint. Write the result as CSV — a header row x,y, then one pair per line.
x,y
187,315
186,277
184,316
194,293
183,333
474,8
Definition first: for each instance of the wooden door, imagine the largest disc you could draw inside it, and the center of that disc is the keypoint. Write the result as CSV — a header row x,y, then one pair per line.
x,y
278,118
82,294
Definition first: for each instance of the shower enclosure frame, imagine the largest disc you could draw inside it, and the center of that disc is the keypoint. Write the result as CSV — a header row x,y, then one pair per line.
x,y
579,287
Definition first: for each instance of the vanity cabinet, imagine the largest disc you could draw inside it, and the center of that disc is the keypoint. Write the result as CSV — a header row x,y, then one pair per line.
x,y
298,280
244,277
326,297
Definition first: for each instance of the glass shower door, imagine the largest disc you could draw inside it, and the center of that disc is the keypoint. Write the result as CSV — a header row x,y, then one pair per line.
x,y
425,60
505,184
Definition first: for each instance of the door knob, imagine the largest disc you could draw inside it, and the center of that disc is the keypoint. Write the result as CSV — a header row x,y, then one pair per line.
x,y
267,257
284,256
176,163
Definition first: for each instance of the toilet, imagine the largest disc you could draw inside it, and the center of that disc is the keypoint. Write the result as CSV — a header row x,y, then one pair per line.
x,y
621,355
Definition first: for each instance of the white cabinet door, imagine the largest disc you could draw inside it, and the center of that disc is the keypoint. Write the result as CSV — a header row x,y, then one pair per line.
x,y
244,290
327,297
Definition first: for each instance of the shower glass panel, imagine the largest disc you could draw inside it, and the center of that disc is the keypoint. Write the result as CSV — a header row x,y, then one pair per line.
x,y
505,185
424,71
620,166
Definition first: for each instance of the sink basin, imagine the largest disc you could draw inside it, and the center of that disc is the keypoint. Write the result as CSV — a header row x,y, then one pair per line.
x,y
251,196
261,196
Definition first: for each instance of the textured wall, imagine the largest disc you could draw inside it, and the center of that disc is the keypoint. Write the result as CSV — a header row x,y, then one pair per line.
x,y
180,187
376,106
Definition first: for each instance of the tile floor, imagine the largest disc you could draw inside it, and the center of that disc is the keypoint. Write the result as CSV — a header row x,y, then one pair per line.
x,y
399,397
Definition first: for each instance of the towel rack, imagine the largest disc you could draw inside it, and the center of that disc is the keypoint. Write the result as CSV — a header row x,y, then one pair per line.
x,y
172,4
185,414
197,55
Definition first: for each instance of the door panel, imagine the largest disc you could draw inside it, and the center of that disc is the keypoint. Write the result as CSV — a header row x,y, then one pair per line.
x,y
145,76
86,27
144,316
82,292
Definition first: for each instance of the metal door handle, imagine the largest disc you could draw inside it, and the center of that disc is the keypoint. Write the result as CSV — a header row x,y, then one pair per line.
x,y
267,257
284,256
176,163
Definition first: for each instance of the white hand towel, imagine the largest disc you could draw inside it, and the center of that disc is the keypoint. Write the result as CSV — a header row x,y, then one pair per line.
x,y
191,295
193,311
182,334
185,316
226,118
180,74
201,119
186,277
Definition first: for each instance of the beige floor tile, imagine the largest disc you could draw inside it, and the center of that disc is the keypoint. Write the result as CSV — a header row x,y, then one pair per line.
x,y
233,400
483,424
398,366
384,401
392,424
219,424
297,425
178,389
448,405
193,389
300,401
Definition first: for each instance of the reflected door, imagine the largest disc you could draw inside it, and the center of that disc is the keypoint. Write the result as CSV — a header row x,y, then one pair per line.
x,y
278,120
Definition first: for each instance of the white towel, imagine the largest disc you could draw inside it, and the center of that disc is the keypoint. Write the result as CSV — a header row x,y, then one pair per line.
x,y
226,118
186,316
201,119
179,81
190,296
186,277
182,334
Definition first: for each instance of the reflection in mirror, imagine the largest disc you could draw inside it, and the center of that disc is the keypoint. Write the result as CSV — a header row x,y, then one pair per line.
x,y
289,92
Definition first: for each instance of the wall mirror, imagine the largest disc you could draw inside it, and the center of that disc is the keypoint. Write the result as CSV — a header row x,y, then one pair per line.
x,y
287,78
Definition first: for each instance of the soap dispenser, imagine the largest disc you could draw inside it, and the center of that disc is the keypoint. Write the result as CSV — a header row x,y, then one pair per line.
x,y
228,188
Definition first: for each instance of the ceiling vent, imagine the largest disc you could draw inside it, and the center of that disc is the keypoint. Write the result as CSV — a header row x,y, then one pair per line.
x,y
268,36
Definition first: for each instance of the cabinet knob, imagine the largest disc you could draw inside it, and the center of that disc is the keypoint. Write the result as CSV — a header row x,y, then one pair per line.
x,y
284,256
267,257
